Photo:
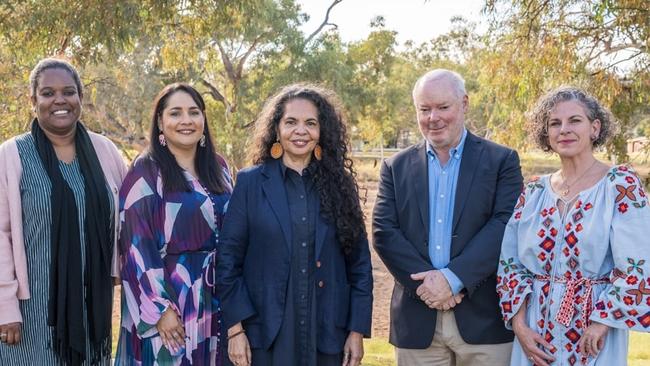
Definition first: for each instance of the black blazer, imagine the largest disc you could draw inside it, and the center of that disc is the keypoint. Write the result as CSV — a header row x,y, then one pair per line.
x,y
489,182
253,264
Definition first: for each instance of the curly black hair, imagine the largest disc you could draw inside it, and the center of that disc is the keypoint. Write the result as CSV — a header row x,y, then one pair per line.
x,y
334,175
538,116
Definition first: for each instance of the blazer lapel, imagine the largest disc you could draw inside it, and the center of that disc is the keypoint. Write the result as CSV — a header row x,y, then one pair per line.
x,y
470,160
276,194
421,187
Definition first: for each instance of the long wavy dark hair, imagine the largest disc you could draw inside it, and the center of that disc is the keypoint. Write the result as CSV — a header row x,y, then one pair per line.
x,y
208,164
334,175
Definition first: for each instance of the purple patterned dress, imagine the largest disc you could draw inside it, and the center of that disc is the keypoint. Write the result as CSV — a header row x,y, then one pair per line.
x,y
167,246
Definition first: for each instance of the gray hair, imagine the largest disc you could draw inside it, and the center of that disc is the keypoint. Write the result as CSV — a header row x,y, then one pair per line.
x,y
53,63
442,74
538,117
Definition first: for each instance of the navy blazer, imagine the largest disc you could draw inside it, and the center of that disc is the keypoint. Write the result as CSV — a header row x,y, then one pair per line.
x,y
489,182
253,265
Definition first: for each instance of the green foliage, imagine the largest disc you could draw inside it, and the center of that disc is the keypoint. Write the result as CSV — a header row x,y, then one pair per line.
x,y
539,44
238,53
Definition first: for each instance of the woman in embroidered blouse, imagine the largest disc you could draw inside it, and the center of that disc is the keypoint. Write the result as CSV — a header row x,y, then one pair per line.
x,y
172,203
573,275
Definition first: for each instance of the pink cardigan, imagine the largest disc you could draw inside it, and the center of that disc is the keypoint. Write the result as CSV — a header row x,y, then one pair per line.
x,y
14,285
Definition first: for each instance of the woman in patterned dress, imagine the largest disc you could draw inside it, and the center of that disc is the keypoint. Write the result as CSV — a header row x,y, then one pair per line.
x,y
171,206
58,222
574,272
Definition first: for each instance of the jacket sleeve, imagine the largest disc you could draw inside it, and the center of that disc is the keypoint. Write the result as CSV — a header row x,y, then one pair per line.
x,y
9,309
479,258
359,272
119,173
396,251
233,244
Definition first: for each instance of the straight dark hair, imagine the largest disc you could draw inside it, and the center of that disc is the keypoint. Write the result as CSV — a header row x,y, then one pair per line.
x,y
208,164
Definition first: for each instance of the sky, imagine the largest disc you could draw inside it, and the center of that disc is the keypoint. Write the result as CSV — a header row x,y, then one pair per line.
x,y
416,20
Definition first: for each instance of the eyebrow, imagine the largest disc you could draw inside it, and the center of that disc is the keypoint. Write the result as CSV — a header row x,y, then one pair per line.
x,y
433,104
41,87
571,116
180,108
308,119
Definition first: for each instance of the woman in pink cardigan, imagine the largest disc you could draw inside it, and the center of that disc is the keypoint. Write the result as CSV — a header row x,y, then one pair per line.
x,y
58,225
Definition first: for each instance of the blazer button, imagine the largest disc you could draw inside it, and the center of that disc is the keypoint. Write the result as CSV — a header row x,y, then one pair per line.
x,y
321,284
318,264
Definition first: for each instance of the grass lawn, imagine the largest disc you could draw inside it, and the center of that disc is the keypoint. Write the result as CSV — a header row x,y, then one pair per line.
x,y
378,352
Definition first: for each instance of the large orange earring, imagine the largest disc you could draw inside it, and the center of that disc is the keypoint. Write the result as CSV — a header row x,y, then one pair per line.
x,y
276,150
318,152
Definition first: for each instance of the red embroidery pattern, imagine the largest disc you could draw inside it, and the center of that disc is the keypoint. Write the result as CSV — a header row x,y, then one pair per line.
x,y
627,300
627,193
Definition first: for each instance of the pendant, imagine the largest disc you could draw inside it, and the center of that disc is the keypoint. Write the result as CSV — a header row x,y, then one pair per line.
x,y
564,192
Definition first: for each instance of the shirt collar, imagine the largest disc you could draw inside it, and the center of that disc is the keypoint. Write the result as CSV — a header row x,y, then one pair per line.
x,y
308,171
455,153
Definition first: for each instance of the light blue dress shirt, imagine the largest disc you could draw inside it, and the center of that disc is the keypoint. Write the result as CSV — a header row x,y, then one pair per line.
x,y
442,194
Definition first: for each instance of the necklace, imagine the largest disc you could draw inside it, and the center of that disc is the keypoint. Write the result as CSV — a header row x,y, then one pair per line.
x,y
565,188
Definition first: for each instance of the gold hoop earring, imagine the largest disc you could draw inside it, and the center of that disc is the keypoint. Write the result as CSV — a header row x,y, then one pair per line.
x,y
276,150
318,152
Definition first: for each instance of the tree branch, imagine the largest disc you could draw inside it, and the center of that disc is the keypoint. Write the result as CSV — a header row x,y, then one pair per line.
x,y
227,63
616,63
242,60
215,93
63,45
324,23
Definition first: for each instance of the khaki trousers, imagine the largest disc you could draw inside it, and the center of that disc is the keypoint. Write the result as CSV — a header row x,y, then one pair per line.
x,y
449,349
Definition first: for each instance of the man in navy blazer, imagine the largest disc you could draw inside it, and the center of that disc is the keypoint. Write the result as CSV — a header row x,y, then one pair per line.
x,y
438,222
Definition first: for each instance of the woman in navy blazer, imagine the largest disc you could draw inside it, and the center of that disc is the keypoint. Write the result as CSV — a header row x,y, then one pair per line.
x,y
293,266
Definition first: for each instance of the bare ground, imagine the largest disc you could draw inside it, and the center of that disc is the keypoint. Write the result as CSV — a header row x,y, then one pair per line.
x,y
383,281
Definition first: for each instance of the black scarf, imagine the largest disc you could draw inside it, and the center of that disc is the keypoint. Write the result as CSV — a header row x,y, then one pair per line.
x,y
66,291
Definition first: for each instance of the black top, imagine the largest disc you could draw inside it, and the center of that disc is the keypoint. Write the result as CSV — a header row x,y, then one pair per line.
x,y
298,328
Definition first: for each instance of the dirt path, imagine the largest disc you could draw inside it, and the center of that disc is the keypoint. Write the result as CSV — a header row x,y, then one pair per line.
x,y
383,281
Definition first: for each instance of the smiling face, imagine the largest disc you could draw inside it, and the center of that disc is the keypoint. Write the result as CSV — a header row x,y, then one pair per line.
x,y
181,122
299,130
440,113
570,133
57,101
